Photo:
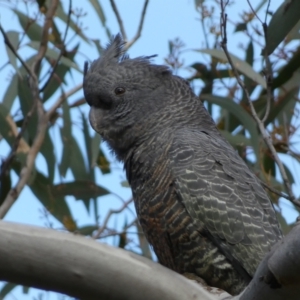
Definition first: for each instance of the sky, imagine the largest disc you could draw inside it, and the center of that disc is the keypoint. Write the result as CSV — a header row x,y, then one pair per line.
x,y
165,20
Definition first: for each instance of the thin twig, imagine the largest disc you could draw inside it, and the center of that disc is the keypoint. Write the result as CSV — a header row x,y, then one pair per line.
x,y
62,48
139,31
260,124
119,19
254,12
107,218
274,191
13,50
114,233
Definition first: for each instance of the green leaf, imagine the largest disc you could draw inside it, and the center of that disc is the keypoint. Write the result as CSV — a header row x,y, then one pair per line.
x,y
260,5
289,174
239,64
77,163
25,289
58,77
5,186
283,224
240,27
56,205
282,22
250,54
122,240
236,139
5,128
26,103
11,92
66,134
268,162
95,149
51,53
99,10
72,156
30,27
287,70
102,162
249,83
87,230
125,183
79,189
41,3
294,34
144,245
13,37
198,3
88,145
282,105
7,288
238,111
47,150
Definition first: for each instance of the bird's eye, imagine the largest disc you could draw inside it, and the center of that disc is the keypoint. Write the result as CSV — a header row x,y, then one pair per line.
x,y
119,91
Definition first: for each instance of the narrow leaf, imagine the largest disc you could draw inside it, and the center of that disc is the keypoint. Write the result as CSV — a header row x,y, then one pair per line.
x,y
87,230
282,22
144,245
7,288
239,64
30,27
238,111
13,37
236,139
51,53
57,206
11,92
79,189
47,150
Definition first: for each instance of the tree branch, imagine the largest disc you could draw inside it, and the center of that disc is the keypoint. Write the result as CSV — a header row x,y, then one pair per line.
x,y
91,270
82,268
278,275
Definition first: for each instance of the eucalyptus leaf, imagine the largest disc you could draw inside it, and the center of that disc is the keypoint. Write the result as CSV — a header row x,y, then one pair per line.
x,y
282,22
239,64
245,119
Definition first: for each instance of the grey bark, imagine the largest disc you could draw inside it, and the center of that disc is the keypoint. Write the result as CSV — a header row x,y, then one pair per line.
x,y
80,267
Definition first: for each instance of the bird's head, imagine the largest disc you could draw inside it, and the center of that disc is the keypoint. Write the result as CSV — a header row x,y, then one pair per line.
x,y
130,98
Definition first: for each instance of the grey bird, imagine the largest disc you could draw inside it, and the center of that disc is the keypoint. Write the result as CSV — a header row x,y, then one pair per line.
x,y
203,211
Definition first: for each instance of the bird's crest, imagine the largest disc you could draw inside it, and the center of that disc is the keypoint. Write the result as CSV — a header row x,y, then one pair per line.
x,y
115,53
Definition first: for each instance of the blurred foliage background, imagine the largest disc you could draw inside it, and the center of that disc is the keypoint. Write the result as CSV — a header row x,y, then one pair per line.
x,y
46,142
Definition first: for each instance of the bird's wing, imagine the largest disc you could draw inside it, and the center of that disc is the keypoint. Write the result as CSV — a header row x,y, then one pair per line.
x,y
220,192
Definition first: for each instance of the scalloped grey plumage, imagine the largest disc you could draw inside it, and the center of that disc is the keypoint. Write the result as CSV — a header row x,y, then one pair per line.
x,y
203,211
